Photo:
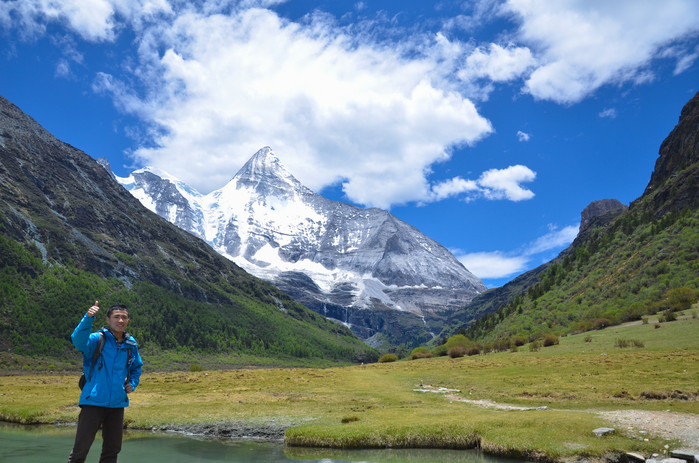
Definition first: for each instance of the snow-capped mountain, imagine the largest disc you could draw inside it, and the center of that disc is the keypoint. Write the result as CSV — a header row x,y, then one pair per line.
x,y
363,267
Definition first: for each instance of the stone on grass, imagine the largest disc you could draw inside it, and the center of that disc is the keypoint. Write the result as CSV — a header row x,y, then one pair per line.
x,y
599,432
685,455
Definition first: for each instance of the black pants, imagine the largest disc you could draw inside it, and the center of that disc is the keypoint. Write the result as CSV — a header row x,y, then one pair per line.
x,y
91,417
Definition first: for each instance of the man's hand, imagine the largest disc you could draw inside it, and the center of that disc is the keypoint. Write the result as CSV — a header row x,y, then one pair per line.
x,y
128,388
92,311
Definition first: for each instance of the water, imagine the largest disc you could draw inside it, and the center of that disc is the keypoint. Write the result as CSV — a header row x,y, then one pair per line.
x,y
41,444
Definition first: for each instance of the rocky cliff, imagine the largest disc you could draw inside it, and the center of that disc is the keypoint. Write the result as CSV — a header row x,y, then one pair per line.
x,y
677,165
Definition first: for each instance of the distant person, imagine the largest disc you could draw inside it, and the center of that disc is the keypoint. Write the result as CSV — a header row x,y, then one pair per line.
x,y
109,378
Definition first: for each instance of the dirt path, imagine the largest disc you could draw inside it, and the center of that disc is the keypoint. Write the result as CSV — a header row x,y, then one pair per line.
x,y
683,427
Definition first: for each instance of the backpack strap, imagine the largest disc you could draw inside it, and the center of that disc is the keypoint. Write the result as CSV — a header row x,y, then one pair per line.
x,y
97,353
129,359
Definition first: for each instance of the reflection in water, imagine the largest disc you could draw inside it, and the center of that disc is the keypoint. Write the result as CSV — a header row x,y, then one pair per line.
x,y
39,444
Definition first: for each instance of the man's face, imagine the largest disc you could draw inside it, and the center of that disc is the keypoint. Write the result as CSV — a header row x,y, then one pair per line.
x,y
118,320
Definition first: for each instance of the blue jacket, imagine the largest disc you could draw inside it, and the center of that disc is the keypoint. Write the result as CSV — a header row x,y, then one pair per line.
x,y
106,386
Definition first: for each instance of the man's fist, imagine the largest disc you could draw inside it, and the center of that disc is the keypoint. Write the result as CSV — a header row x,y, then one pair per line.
x,y
92,311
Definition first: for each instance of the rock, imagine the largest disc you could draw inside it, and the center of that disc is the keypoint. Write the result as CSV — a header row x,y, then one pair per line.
x,y
599,432
674,178
685,455
600,213
635,457
672,460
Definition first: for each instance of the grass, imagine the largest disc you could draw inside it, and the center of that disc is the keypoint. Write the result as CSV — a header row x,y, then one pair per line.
x,y
376,405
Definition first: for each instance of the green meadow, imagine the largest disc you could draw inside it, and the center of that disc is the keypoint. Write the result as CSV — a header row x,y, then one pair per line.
x,y
649,367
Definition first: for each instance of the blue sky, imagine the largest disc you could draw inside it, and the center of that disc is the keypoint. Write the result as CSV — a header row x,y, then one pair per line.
x,y
488,125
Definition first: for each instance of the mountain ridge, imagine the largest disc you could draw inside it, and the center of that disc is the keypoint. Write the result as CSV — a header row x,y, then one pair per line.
x,y
68,230
339,260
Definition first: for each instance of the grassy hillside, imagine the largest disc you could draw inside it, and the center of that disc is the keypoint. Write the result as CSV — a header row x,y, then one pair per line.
x,y
640,262
41,304
493,404
636,267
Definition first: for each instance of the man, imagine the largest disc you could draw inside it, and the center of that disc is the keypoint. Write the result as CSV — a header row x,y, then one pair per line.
x,y
114,375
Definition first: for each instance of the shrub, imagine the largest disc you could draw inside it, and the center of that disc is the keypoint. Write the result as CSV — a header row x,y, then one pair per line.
x,y
194,367
420,353
518,341
388,358
440,351
600,323
534,346
550,340
456,351
588,338
458,340
680,298
473,350
628,343
349,419
501,345
667,316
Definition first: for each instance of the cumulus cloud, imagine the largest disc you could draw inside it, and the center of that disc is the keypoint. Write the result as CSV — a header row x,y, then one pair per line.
x,y
332,110
497,63
214,81
505,183
582,45
453,187
494,184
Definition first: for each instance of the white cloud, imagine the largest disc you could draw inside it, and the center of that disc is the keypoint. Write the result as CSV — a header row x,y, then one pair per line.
x,y
498,264
497,63
523,136
555,238
493,264
216,80
63,68
582,45
505,183
331,109
93,20
609,113
453,187
494,184
685,61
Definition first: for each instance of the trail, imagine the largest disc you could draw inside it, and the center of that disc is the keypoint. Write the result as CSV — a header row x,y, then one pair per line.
x,y
683,427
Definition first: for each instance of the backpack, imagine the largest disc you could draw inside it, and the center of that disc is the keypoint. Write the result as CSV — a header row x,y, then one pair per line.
x,y
95,355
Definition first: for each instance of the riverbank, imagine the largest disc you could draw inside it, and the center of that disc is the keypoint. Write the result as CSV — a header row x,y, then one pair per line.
x,y
547,402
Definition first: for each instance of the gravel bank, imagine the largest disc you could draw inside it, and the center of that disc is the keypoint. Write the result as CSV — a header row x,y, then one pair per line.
x,y
668,425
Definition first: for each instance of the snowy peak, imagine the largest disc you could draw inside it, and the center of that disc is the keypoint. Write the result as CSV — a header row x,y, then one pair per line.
x,y
264,171
363,267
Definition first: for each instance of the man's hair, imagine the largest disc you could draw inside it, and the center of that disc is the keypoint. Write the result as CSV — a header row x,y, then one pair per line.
x,y
117,307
